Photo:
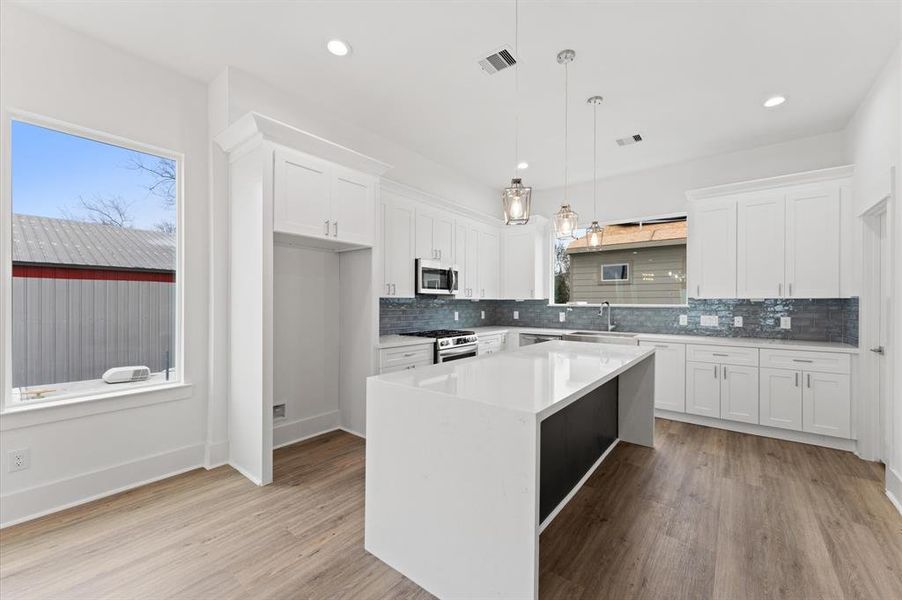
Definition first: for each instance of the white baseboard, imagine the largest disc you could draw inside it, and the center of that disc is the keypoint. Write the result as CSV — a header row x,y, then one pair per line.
x,y
291,432
31,503
894,488
761,430
216,454
352,432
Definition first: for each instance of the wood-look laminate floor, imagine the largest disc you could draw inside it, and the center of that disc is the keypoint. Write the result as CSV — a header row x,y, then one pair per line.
x,y
707,514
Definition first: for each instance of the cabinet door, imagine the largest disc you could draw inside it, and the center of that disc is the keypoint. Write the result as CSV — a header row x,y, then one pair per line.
x,y
489,268
812,242
712,235
424,243
352,207
519,264
472,258
703,389
670,376
760,247
302,203
397,245
780,393
739,393
460,260
826,404
443,238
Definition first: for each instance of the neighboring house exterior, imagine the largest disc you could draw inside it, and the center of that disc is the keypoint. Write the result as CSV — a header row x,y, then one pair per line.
x,y
87,297
636,264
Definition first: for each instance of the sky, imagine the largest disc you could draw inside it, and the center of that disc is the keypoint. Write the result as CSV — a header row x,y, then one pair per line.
x,y
51,169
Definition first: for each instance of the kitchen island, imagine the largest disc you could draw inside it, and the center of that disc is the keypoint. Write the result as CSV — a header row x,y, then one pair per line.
x,y
467,461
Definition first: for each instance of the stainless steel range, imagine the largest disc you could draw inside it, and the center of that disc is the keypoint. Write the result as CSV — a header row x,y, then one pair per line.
x,y
451,344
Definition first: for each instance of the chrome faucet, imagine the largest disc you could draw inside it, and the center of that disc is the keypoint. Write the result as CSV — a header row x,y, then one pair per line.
x,y
601,314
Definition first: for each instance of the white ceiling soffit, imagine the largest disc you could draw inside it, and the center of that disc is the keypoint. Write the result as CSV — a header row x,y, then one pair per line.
x,y
690,76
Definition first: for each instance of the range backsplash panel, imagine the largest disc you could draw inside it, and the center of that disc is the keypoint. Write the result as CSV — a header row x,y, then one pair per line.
x,y
825,320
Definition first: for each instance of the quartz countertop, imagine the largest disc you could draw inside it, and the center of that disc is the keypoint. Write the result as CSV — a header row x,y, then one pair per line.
x,y
398,341
539,379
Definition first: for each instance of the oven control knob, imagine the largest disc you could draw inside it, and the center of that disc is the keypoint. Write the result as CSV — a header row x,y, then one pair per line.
x,y
443,343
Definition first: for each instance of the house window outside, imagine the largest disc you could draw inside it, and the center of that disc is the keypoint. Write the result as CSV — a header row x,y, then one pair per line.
x,y
616,272
94,264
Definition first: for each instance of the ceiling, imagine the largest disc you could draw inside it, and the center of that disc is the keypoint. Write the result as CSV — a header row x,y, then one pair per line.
x,y
689,76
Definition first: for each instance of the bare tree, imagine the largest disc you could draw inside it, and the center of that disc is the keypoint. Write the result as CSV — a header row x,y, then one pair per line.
x,y
167,227
110,210
162,176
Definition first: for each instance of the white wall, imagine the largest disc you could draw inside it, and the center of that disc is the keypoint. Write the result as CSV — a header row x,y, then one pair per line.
x,y
874,142
663,190
52,71
306,337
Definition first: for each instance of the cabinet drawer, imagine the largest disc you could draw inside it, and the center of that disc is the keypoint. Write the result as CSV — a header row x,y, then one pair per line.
x,y
404,367
824,362
406,355
727,355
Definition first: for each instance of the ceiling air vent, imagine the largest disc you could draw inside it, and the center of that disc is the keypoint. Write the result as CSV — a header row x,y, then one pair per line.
x,y
633,139
498,60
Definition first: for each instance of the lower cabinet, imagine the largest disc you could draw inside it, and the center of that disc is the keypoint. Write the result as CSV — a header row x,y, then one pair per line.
x,y
781,398
406,357
807,401
739,393
491,344
670,375
703,389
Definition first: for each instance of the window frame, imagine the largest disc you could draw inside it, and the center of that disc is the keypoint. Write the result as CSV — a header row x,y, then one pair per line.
x,y
128,391
550,270
629,273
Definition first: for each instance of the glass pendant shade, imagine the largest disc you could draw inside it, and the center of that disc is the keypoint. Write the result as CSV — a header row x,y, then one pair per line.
x,y
516,202
593,235
565,222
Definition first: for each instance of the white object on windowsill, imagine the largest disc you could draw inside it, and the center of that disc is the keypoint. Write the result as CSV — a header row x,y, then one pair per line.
x,y
126,374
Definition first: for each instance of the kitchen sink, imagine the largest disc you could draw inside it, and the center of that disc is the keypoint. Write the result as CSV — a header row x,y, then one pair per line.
x,y
602,337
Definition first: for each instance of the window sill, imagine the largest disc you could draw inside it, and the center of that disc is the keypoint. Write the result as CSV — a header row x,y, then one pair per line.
x,y
28,415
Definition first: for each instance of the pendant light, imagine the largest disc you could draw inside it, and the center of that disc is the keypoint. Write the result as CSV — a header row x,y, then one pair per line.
x,y
593,234
565,219
515,199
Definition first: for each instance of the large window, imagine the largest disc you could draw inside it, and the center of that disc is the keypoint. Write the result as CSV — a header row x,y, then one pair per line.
x,y
94,265
635,263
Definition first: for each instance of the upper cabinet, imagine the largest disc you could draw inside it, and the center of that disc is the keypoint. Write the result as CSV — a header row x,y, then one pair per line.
x,y
321,200
435,235
526,255
712,249
398,233
488,264
783,240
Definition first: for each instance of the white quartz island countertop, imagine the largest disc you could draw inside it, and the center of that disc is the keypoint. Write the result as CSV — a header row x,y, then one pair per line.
x,y
539,379
467,461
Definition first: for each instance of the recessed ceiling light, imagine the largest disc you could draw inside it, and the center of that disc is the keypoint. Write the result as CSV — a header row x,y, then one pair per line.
x,y
338,47
774,101
522,166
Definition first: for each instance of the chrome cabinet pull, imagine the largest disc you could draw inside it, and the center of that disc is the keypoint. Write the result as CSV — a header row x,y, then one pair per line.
x,y
725,371
409,354
802,360
335,229
797,379
715,371
394,290
809,380
790,290
326,227
483,293
779,289
719,354
661,346
698,290
388,289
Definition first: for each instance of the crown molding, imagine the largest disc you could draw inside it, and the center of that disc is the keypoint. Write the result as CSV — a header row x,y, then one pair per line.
x,y
756,185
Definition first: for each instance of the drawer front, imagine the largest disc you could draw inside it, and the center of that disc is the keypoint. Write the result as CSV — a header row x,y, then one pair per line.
x,y
404,367
406,355
823,362
491,347
725,355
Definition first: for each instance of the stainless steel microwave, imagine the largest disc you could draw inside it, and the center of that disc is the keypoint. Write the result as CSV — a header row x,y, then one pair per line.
x,y
435,278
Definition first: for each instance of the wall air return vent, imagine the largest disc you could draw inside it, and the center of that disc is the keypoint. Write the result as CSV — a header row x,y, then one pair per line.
x,y
633,139
498,60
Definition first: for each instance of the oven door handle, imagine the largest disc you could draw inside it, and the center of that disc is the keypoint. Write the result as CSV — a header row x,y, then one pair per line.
x,y
456,350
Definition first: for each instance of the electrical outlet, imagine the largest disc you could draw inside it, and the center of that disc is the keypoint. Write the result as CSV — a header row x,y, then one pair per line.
x,y
684,319
709,321
278,411
785,323
737,321
18,460
562,316
455,315
516,315
482,314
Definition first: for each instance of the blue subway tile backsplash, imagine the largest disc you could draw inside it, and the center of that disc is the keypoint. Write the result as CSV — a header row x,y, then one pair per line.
x,y
826,320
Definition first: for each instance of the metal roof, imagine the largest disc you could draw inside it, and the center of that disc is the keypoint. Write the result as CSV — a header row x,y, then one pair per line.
x,y
634,235
43,240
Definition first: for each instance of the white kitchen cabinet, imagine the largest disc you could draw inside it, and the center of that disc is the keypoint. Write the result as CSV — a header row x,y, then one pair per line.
x,y
739,393
826,407
813,241
488,268
406,357
317,199
780,394
491,343
398,218
466,258
670,375
435,235
712,249
525,259
760,246
703,389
